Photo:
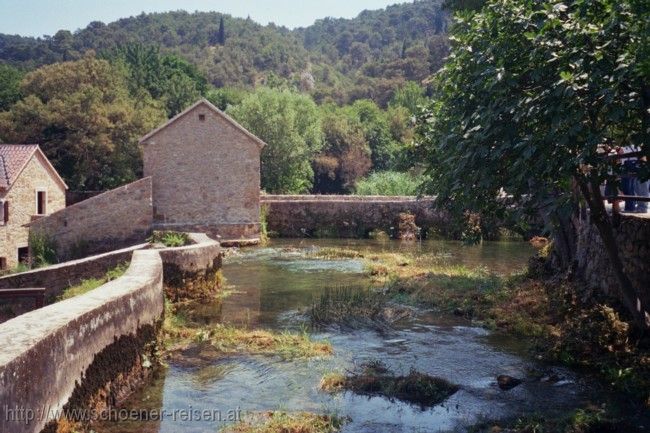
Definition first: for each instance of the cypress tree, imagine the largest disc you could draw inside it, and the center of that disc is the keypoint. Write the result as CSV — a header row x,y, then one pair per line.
x,y
222,32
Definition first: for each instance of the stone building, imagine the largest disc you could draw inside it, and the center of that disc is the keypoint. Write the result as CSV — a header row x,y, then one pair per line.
x,y
205,170
29,189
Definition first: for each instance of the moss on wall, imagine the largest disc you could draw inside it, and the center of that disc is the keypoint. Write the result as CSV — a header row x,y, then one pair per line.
x,y
115,373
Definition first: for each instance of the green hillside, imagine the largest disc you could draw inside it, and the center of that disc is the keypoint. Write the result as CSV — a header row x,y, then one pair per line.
x,y
334,59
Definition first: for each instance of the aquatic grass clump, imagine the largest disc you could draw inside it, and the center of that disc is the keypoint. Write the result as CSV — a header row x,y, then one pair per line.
x,y
331,253
332,382
434,282
355,306
375,379
180,333
587,420
284,422
287,345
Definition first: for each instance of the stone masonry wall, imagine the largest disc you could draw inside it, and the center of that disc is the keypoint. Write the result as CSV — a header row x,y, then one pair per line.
x,y
22,206
206,175
345,216
633,238
58,277
192,271
47,352
114,219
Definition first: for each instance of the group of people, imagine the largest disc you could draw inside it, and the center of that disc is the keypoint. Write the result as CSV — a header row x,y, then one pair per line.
x,y
631,184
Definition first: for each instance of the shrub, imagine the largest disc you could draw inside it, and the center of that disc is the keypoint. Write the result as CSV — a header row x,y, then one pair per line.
x,y
42,248
170,239
389,183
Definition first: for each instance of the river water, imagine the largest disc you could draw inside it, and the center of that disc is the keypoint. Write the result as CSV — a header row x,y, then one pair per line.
x,y
273,284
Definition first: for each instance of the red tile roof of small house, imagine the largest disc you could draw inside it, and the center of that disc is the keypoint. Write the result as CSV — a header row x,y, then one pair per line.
x,y
14,158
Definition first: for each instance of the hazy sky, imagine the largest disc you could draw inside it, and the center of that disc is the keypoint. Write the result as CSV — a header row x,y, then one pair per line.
x,y
45,17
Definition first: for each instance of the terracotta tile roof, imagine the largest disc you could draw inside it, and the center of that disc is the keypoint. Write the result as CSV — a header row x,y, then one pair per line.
x,y
4,179
13,158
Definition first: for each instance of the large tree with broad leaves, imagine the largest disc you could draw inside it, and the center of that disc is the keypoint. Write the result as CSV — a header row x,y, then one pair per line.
x,y
529,98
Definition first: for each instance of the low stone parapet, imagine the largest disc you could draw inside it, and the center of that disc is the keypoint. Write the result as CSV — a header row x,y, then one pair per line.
x,y
58,277
52,357
192,271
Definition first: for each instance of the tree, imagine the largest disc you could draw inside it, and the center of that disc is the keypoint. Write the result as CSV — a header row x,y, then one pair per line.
x,y
385,151
9,86
410,96
222,32
85,120
168,77
225,97
346,155
530,94
290,125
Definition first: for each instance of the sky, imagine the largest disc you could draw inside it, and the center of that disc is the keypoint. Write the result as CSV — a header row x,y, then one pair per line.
x,y
46,17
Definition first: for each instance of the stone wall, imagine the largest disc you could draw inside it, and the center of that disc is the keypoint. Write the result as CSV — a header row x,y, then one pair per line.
x,y
633,238
56,278
191,272
47,354
22,205
114,219
345,216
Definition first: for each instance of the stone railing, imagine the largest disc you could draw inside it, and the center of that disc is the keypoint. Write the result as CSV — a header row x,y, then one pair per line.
x,y
50,357
58,277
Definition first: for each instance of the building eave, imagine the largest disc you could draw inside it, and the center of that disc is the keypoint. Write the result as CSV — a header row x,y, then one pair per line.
x,y
214,109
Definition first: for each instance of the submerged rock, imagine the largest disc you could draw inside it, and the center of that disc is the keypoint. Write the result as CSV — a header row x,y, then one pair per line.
x,y
506,382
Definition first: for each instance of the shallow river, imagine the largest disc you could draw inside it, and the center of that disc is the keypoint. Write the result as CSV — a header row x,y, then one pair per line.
x,y
273,284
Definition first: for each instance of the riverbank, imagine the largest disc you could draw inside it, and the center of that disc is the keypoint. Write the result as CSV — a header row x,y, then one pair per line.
x,y
560,320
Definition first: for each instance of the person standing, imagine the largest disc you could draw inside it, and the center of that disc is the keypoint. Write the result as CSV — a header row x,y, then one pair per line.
x,y
628,179
641,188
611,185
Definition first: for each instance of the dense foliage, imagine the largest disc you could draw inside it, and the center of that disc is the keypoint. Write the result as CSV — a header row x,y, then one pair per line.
x,y
390,183
333,59
531,94
290,125
9,86
85,120
109,84
169,78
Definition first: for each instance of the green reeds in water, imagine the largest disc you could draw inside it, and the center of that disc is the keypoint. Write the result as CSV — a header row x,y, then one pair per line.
x,y
355,305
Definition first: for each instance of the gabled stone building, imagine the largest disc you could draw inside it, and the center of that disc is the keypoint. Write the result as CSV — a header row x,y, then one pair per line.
x,y
29,189
205,170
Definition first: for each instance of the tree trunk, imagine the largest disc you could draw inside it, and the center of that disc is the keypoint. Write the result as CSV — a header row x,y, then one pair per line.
x,y
564,236
590,190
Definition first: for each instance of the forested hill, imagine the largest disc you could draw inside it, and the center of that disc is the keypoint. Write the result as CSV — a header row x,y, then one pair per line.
x,y
334,59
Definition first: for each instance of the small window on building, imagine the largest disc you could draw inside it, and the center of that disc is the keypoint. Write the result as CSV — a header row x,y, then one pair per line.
x,y
41,202
23,255
3,263
4,212
202,117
